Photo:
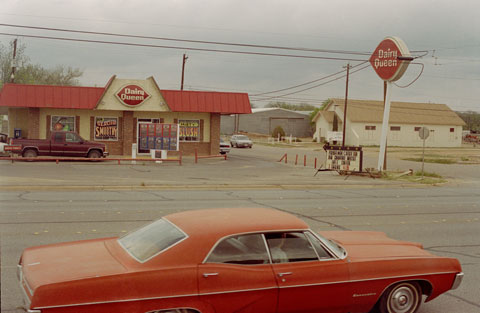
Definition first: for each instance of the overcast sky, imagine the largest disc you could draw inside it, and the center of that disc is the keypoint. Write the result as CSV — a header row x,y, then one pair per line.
x,y
449,30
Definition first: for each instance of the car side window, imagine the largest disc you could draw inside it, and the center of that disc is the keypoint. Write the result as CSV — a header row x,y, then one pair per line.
x,y
321,252
241,249
290,247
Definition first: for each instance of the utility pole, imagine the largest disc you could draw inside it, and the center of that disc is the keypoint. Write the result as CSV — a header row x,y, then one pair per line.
x,y
183,69
345,110
14,61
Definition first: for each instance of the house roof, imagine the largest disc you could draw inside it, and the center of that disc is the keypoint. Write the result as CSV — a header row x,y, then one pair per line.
x,y
370,111
75,97
259,110
327,115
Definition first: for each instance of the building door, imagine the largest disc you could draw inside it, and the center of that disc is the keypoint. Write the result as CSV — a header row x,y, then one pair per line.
x,y
145,133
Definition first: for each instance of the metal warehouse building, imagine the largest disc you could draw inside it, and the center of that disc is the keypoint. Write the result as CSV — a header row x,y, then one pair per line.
x,y
264,121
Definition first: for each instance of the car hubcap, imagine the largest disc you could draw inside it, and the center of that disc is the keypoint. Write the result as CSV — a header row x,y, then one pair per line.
x,y
403,300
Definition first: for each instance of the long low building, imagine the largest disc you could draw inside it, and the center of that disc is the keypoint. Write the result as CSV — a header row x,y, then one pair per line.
x,y
265,120
123,114
365,117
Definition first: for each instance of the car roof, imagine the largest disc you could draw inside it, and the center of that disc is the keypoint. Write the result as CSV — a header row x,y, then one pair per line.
x,y
217,223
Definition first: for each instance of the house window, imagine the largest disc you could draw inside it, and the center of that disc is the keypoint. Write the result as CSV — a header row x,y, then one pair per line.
x,y
370,127
417,128
62,123
395,128
189,130
452,130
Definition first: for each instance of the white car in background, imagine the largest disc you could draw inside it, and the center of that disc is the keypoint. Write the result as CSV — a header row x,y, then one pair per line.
x,y
3,142
240,141
224,146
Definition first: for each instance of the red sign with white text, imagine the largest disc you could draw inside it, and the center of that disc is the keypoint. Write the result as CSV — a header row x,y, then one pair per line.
x,y
387,59
132,95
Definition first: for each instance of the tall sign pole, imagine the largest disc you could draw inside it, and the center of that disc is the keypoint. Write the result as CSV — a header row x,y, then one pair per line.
x,y
390,61
345,110
185,57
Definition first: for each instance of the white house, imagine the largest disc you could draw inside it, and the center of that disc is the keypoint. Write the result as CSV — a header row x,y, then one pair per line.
x,y
364,123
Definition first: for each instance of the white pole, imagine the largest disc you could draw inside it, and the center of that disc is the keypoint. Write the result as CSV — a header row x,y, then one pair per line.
x,y
383,138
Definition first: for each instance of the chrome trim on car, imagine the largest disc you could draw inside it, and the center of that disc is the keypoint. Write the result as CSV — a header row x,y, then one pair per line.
x,y
458,280
404,278
23,284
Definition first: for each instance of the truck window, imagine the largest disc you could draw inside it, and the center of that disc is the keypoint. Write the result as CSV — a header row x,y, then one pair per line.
x,y
58,137
72,137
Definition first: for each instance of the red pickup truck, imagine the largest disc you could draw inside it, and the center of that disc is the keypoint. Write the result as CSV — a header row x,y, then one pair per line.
x,y
61,143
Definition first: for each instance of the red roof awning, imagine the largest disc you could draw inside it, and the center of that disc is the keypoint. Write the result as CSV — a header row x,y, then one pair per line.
x,y
74,97
207,101
44,96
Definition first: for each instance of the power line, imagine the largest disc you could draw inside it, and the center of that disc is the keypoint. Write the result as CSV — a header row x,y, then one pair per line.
x,y
188,40
182,48
322,84
307,83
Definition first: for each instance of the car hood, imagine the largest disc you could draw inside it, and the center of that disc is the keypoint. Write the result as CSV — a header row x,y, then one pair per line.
x,y
69,261
366,245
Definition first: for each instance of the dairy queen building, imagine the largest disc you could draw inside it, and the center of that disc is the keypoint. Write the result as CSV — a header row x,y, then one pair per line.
x,y
124,113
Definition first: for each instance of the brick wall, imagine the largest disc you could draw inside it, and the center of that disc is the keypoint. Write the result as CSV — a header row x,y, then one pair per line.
x,y
128,133
214,133
33,123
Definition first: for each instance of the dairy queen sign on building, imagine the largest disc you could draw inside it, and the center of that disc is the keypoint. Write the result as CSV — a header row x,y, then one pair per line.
x,y
123,113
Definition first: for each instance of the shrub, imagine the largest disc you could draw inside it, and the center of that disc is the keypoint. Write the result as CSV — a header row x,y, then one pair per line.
x,y
278,131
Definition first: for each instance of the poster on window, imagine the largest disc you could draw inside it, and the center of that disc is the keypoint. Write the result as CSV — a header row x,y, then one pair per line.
x,y
157,136
189,130
106,128
62,123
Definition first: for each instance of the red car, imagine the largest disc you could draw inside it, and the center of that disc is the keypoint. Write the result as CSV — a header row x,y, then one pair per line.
x,y
234,260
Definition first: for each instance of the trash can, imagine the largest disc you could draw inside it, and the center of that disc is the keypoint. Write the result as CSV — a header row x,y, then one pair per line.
x,y
17,133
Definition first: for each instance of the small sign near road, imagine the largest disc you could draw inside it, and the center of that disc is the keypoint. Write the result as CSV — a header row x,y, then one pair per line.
x,y
424,132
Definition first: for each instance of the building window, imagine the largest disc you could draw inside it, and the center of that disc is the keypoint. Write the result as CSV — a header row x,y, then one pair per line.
x,y
63,123
106,128
395,128
452,130
370,127
189,130
417,128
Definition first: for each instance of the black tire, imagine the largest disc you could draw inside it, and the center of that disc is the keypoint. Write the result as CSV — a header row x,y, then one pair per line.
x,y
30,153
403,297
94,154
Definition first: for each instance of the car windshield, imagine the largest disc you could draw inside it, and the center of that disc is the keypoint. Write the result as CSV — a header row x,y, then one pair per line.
x,y
150,240
242,138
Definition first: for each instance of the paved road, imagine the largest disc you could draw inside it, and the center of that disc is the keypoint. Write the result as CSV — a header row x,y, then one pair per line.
x,y
445,220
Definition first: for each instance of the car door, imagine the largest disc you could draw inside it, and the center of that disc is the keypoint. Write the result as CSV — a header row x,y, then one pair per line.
x,y
56,144
74,145
237,276
310,278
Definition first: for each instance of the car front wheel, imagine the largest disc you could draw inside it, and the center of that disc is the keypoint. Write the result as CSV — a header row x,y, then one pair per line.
x,y
401,298
94,154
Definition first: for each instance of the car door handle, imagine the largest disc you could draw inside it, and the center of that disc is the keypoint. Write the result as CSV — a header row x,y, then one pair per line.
x,y
284,274
209,274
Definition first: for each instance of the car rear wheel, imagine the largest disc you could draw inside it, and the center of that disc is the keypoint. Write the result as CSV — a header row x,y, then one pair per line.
x,y
401,298
94,154
30,153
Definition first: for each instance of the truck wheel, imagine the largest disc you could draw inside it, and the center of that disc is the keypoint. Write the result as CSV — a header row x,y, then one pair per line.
x,y
94,154
30,153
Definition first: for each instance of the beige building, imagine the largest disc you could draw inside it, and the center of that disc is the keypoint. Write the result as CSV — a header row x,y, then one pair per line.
x,y
364,123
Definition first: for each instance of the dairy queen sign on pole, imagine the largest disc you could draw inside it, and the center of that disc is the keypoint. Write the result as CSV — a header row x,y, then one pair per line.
x,y
390,61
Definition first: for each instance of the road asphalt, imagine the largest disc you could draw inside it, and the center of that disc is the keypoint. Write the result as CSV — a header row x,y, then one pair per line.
x,y
244,168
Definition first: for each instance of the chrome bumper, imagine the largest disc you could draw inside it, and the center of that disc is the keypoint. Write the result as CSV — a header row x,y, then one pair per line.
x,y
457,281
26,299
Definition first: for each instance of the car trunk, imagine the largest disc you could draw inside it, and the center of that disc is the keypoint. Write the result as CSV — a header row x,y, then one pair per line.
x,y
68,261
